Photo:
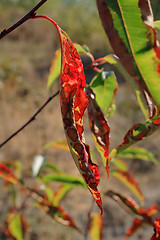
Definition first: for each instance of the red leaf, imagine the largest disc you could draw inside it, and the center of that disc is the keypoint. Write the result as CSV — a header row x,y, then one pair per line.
x,y
156,235
99,125
73,102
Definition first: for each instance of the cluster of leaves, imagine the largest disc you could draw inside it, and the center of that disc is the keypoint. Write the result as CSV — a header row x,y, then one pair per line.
x,y
120,21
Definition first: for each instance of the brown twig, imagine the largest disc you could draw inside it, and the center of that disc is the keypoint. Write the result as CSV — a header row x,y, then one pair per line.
x,y
30,120
28,16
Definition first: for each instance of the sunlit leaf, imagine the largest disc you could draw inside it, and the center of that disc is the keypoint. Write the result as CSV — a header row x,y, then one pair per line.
x,y
73,104
142,101
95,226
55,68
104,85
121,19
138,153
129,181
59,144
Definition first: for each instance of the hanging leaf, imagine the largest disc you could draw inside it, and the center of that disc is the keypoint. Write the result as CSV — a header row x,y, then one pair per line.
x,y
104,85
121,20
95,227
7,174
156,235
73,104
129,181
138,153
99,126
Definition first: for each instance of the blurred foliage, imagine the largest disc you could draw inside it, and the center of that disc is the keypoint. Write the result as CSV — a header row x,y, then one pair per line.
x,y
78,18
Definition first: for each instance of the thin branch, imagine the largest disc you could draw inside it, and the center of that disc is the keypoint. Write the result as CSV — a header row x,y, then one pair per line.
x,y
30,120
28,16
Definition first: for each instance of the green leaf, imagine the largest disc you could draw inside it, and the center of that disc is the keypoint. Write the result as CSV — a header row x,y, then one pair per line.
x,y
60,194
55,68
104,85
120,164
114,61
129,181
15,227
65,179
157,25
139,53
52,167
138,153
95,227
82,49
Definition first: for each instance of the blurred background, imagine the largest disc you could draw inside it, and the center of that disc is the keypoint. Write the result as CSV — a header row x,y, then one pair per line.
x,y
25,57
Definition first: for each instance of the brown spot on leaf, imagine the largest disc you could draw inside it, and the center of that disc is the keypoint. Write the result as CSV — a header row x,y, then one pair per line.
x,y
72,134
78,147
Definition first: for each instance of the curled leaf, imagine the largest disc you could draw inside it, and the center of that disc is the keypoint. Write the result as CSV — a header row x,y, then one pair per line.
x,y
73,104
